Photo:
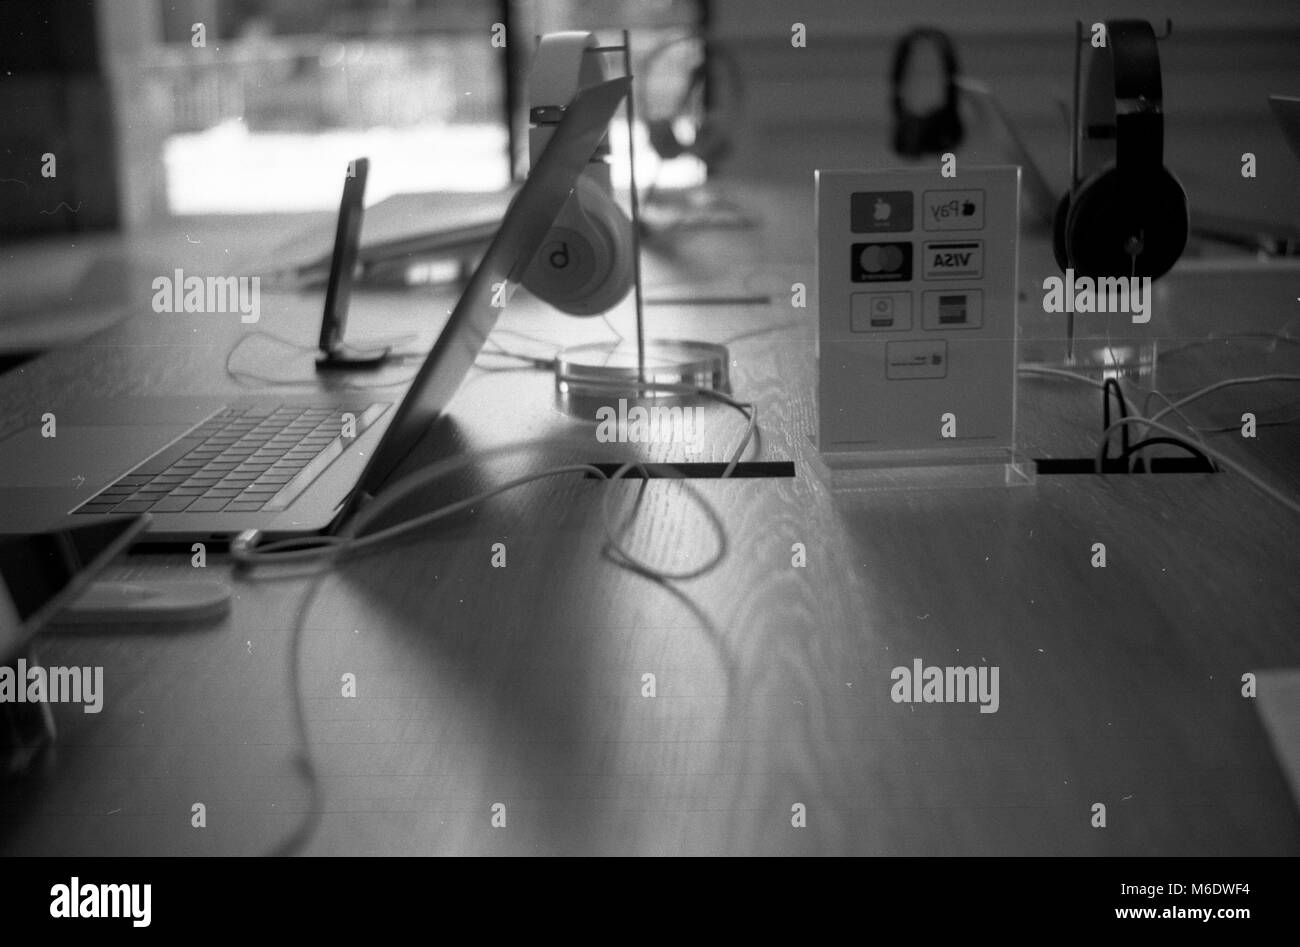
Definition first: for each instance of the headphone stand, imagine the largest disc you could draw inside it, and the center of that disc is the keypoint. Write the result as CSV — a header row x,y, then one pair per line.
x,y
1113,349
1134,358
662,370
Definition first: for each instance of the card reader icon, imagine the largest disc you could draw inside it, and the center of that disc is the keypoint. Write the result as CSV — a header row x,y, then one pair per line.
x,y
882,312
952,309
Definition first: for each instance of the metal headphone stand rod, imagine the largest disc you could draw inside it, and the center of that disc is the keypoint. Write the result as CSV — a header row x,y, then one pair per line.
x,y
1079,41
589,374
630,108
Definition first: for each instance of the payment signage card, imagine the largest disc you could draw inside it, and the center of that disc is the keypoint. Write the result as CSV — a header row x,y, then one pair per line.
x,y
916,342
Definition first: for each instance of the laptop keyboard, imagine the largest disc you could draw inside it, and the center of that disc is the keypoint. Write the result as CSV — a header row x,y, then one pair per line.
x,y
239,460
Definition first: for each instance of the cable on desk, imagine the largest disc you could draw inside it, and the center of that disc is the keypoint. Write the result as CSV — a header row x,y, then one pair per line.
x,y
525,363
1060,373
1130,453
1154,393
1273,422
1109,386
604,317
747,409
1217,456
350,539
1199,449
1227,383
326,548
537,339
1175,407
237,375
765,330
305,761
1271,337
1127,452
1195,432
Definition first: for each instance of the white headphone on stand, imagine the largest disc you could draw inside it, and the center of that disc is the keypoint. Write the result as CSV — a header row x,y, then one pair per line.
x,y
585,265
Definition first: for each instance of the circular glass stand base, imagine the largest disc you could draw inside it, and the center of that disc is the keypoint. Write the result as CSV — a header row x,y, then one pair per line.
x,y
1133,359
601,373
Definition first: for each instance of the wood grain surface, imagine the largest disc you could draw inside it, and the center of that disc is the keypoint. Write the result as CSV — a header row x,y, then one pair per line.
x,y
523,685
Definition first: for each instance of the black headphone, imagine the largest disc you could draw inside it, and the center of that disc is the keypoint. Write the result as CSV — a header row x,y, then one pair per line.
x,y
940,129
714,130
1129,215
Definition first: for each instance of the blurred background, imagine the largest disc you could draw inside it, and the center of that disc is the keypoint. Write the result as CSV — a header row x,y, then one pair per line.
x,y
176,107
160,108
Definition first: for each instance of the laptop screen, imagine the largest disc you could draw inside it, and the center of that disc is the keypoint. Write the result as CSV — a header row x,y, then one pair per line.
x,y
41,573
1286,108
524,227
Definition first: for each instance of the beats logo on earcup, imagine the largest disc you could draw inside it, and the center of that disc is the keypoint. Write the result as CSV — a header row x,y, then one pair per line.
x,y
584,267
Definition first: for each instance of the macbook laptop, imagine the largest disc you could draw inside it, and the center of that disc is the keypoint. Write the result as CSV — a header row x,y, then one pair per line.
x,y
1286,109
205,469
43,572
40,574
1269,238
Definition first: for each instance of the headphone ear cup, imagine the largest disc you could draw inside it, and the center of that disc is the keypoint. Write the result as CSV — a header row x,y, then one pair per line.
x,y
948,132
907,136
1059,221
663,139
937,131
712,142
620,274
584,266
1102,218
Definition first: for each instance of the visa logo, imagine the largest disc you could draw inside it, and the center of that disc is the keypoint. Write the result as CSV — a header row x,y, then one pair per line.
x,y
953,259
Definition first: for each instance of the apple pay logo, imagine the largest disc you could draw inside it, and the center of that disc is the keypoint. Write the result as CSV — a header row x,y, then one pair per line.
x,y
880,211
953,210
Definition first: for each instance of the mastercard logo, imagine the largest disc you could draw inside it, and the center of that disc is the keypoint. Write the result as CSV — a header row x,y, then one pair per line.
x,y
886,259
882,261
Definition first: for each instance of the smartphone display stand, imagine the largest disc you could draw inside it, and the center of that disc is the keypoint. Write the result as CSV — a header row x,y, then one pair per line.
x,y
335,355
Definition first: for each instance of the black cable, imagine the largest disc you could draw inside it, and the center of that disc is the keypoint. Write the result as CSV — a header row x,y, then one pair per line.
x,y
1174,441
1106,388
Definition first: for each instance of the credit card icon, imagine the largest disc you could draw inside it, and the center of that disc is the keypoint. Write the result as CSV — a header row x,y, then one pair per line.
x,y
953,259
882,262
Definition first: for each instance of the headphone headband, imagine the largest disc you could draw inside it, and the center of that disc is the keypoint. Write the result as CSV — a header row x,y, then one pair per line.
x,y
903,56
713,54
715,125
1124,102
935,131
561,67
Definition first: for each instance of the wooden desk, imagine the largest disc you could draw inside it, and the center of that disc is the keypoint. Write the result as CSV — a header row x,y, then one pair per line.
x,y
523,686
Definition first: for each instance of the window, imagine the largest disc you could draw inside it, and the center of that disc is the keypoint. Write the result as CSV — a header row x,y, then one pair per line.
x,y
258,105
